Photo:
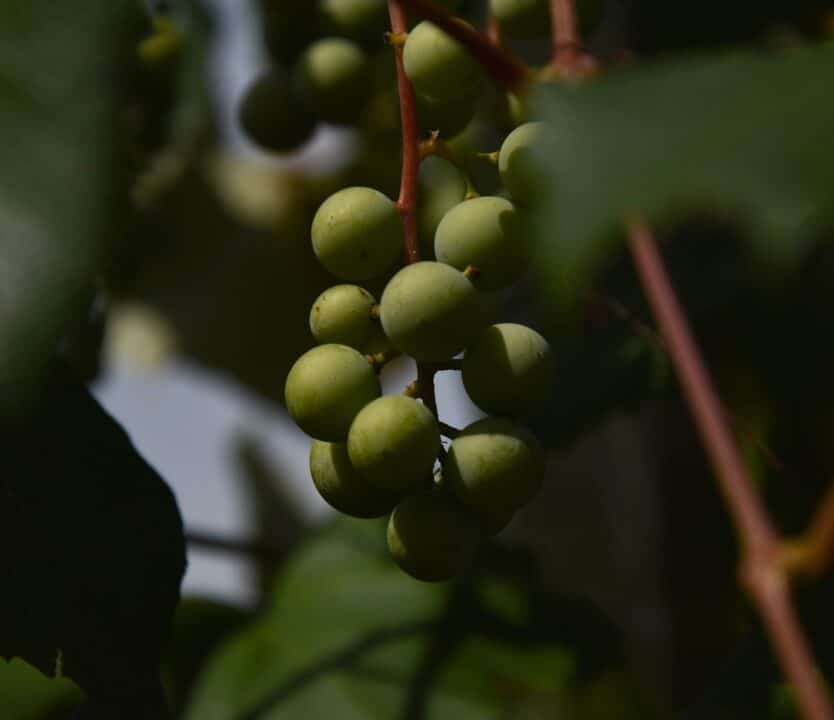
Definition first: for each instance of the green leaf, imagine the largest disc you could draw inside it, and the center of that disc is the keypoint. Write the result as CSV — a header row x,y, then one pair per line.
x,y
348,635
93,553
59,89
739,133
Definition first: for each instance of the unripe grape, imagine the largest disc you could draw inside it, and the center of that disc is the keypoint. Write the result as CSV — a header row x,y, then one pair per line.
x,y
494,467
342,487
271,116
393,443
448,116
342,315
431,536
357,233
508,369
438,66
331,80
327,387
523,158
485,232
442,186
430,311
360,20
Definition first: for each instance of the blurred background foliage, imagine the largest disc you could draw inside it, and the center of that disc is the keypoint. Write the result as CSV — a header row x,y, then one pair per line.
x,y
614,595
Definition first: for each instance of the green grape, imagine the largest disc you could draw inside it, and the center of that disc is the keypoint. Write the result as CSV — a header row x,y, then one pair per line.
x,y
431,536
508,369
331,79
521,160
484,232
430,311
438,66
342,315
442,186
393,443
360,20
271,116
448,116
357,233
494,467
342,487
326,389
522,18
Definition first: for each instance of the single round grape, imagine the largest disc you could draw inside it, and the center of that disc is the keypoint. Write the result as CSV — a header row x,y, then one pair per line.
x,y
448,116
522,18
360,20
442,186
484,232
393,443
508,369
357,233
522,158
271,116
342,487
438,66
494,467
331,80
326,389
342,315
430,311
431,536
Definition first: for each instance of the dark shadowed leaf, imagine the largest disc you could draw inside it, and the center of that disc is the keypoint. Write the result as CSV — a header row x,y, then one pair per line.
x,y
744,134
93,553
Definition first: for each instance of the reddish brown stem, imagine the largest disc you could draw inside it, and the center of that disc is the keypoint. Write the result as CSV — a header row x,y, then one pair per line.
x,y
407,202
508,71
565,38
762,572
493,30
813,553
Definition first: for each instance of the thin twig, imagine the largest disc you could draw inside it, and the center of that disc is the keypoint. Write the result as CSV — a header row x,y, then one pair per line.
x,y
506,70
762,571
250,549
813,553
565,38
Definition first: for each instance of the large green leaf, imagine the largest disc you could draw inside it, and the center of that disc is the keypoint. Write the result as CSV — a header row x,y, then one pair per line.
x,y
59,80
745,134
348,635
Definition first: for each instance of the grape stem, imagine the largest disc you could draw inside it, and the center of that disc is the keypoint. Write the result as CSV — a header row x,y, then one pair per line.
x,y
407,201
565,38
506,70
813,553
763,569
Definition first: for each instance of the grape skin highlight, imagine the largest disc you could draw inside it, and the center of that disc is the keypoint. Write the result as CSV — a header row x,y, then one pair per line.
x,y
342,487
508,369
342,315
393,443
357,234
484,232
430,311
495,467
438,66
327,387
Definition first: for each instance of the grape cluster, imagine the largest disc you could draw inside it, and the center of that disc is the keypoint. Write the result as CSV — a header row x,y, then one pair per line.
x,y
375,455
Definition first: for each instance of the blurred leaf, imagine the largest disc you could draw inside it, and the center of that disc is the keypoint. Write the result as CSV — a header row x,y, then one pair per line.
x,y
348,635
26,694
93,553
59,84
741,133
199,626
